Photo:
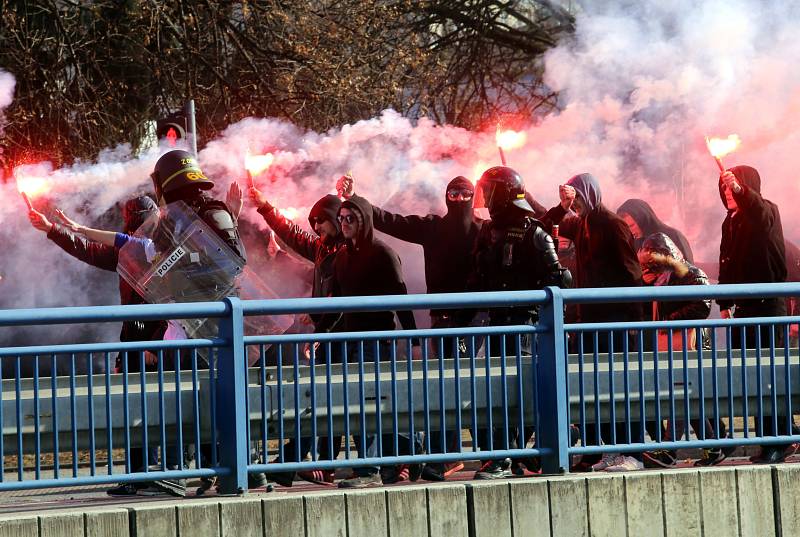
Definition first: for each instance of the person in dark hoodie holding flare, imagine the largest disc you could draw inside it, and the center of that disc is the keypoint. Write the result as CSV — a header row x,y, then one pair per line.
x,y
605,257
752,251
134,213
366,266
447,242
320,250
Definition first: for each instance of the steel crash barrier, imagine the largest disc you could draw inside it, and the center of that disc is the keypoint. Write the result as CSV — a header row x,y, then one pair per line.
x,y
245,403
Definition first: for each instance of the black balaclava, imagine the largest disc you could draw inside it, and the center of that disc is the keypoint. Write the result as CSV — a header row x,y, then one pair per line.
x,y
136,211
460,211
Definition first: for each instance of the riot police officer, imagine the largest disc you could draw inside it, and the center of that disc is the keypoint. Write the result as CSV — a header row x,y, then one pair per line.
x,y
512,253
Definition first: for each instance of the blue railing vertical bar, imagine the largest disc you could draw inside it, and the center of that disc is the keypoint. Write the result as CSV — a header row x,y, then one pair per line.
x,y
553,433
231,419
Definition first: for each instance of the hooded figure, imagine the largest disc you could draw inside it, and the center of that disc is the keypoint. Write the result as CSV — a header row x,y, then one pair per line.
x,y
663,264
646,223
752,248
446,241
605,256
320,249
365,267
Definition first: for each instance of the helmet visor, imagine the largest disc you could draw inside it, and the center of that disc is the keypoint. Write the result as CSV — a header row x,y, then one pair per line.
x,y
483,195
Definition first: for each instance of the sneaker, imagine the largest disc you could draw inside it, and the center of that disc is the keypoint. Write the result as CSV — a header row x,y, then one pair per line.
x,y
609,459
361,482
661,458
126,489
414,472
711,457
284,479
395,474
173,487
770,455
318,477
257,481
452,467
626,464
527,467
499,469
206,484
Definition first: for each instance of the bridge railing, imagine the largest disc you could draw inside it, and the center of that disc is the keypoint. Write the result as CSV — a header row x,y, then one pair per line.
x,y
247,403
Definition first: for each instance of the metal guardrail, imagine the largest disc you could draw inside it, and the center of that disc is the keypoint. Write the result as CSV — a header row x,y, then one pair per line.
x,y
243,418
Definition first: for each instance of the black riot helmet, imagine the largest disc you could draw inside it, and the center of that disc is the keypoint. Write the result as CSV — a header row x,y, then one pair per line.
x,y
136,211
499,189
177,170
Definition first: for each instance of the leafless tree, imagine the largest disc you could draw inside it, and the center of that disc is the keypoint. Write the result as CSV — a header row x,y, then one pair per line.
x,y
90,73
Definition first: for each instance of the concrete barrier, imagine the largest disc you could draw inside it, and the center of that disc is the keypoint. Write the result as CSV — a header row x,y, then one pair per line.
x,y
643,504
715,502
61,525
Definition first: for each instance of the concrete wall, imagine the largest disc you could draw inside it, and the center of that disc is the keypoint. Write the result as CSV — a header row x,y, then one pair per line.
x,y
744,501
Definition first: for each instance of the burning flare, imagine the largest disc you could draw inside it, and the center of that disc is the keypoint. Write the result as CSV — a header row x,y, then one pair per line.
x,y
30,185
719,147
255,164
290,212
509,139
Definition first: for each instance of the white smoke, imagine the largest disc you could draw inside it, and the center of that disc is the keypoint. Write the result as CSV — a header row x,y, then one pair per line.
x,y
641,83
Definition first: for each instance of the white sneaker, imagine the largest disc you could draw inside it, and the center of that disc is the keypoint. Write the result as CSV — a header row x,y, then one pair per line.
x,y
609,459
625,463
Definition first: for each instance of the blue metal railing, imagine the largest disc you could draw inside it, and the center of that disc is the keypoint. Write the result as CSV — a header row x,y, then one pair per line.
x,y
245,403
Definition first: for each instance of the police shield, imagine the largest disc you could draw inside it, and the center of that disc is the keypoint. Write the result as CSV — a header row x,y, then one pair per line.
x,y
176,257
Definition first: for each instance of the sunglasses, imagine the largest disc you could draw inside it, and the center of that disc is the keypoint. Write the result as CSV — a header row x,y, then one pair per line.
x,y
318,220
454,193
349,218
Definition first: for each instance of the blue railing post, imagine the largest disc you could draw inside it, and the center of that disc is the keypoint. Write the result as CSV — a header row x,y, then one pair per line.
x,y
553,433
231,400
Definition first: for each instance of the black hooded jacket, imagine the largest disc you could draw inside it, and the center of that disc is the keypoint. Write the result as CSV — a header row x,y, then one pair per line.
x,y
367,268
752,248
645,217
447,241
604,252
312,248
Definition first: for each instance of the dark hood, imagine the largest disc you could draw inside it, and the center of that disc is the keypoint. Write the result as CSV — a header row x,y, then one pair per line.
x,y
136,211
460,211
363,210
745,175
588,188
326,207
660,243
644,216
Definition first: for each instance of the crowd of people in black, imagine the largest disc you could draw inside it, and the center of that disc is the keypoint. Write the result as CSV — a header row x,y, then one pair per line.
x,y
513,250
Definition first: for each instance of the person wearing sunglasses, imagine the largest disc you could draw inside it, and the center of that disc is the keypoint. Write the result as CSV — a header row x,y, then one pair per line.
x,y
320,250
366,266
447,243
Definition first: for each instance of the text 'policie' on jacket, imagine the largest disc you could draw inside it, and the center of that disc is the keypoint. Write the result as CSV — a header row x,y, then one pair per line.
x,y
752,248
312,248
367,268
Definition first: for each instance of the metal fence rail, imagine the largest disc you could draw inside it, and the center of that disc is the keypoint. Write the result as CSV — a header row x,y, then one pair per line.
x,y
255,403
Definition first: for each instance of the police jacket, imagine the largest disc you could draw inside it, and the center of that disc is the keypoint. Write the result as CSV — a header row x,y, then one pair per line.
x,y
515,256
